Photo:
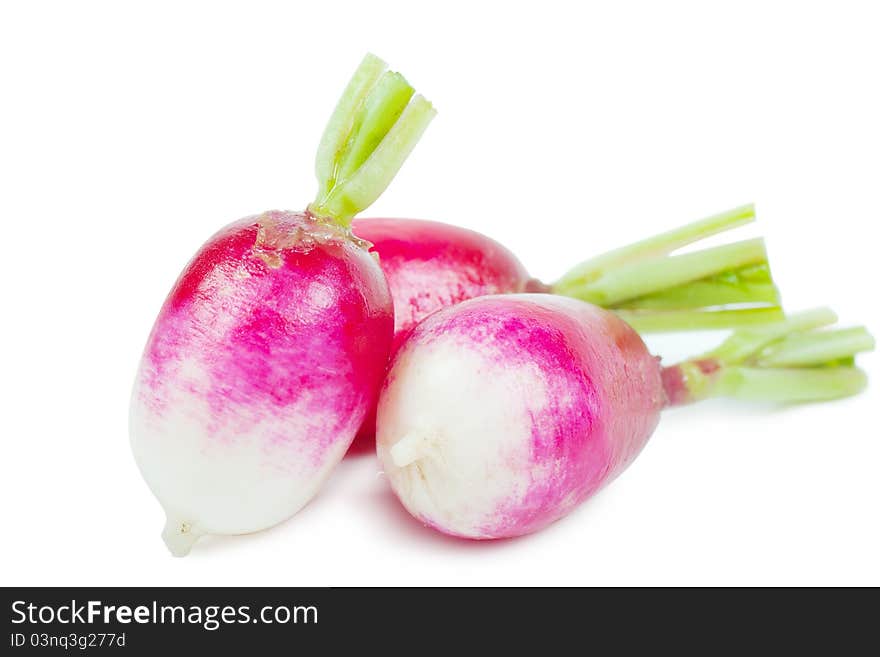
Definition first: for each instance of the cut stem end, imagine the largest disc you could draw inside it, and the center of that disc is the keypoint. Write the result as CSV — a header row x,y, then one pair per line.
x,y
372,131
179,536
408,450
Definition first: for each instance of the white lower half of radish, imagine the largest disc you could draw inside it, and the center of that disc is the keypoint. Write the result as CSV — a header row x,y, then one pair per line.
x,y
461,419
216,479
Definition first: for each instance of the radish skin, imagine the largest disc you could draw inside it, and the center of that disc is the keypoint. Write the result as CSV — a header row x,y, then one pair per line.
x,y
431,265
501,414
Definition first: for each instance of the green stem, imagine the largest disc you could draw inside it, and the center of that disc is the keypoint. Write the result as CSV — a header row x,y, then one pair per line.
x,y
788,361
744,344
381,110
810,348
743,286
341,122
356,193
658,245
790,385
660,321
373,129
726,286
642,278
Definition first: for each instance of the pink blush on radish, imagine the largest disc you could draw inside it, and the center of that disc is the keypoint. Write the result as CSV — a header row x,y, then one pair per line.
x,y
516,405
431,265
265,359
260,325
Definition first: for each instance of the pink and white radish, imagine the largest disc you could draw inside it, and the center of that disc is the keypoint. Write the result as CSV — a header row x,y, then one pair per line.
x,y
430,265
270,349
501,414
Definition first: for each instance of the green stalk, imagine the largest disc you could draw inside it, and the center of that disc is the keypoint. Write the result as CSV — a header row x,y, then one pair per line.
x,y
790,385
743,286
658,245
745,344
341,122
727,286
788,361
356,193
641,278
660,321
373,129
806,349
381,110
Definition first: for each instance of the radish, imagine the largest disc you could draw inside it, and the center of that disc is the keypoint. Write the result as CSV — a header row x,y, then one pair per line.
x,y
270,348
501,414
431,265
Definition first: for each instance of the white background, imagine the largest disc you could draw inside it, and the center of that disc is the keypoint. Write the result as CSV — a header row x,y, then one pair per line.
x,y
129,132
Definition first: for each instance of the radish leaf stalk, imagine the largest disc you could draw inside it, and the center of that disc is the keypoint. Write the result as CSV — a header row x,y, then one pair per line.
x,y
789,361
375,126
654,290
